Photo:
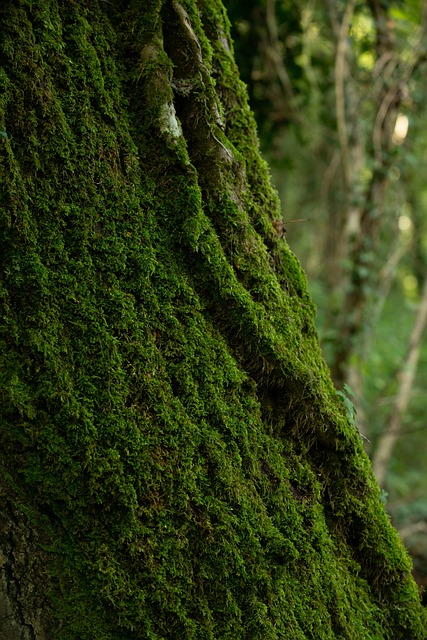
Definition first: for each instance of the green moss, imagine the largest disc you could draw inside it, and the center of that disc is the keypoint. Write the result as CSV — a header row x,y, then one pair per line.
x,y
164,401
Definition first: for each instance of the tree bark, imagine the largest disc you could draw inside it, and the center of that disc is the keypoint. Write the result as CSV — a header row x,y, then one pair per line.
x,y
25,608
175,461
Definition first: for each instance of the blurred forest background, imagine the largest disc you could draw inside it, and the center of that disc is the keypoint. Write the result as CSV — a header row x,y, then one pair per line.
x,y
339,90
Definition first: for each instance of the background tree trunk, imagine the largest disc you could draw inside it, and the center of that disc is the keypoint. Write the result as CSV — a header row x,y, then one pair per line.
x,y
406,376
175,460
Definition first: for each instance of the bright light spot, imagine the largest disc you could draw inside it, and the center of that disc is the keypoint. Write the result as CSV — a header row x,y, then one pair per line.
x,y
362,27
367,60
400,129
405,223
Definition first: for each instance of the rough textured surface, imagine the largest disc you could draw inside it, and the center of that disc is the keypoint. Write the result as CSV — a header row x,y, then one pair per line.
x,y
166,413
25,609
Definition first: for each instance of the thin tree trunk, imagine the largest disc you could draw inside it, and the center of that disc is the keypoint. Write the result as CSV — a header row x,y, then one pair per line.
x,y
406,377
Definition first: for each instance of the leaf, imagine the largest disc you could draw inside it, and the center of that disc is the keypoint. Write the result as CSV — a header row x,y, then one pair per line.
x,y
350,409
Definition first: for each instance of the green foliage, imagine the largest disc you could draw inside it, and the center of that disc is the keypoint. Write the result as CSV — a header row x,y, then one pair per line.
x,y
164,402
346,396
384,496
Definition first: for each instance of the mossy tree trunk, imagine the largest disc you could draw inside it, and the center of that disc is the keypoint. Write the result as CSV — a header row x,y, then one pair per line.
x,y
175,461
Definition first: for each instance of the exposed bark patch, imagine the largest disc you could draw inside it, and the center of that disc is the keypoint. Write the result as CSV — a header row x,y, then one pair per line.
x,y
24,584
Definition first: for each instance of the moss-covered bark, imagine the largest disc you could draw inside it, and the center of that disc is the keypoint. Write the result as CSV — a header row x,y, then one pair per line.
x,y
170,438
